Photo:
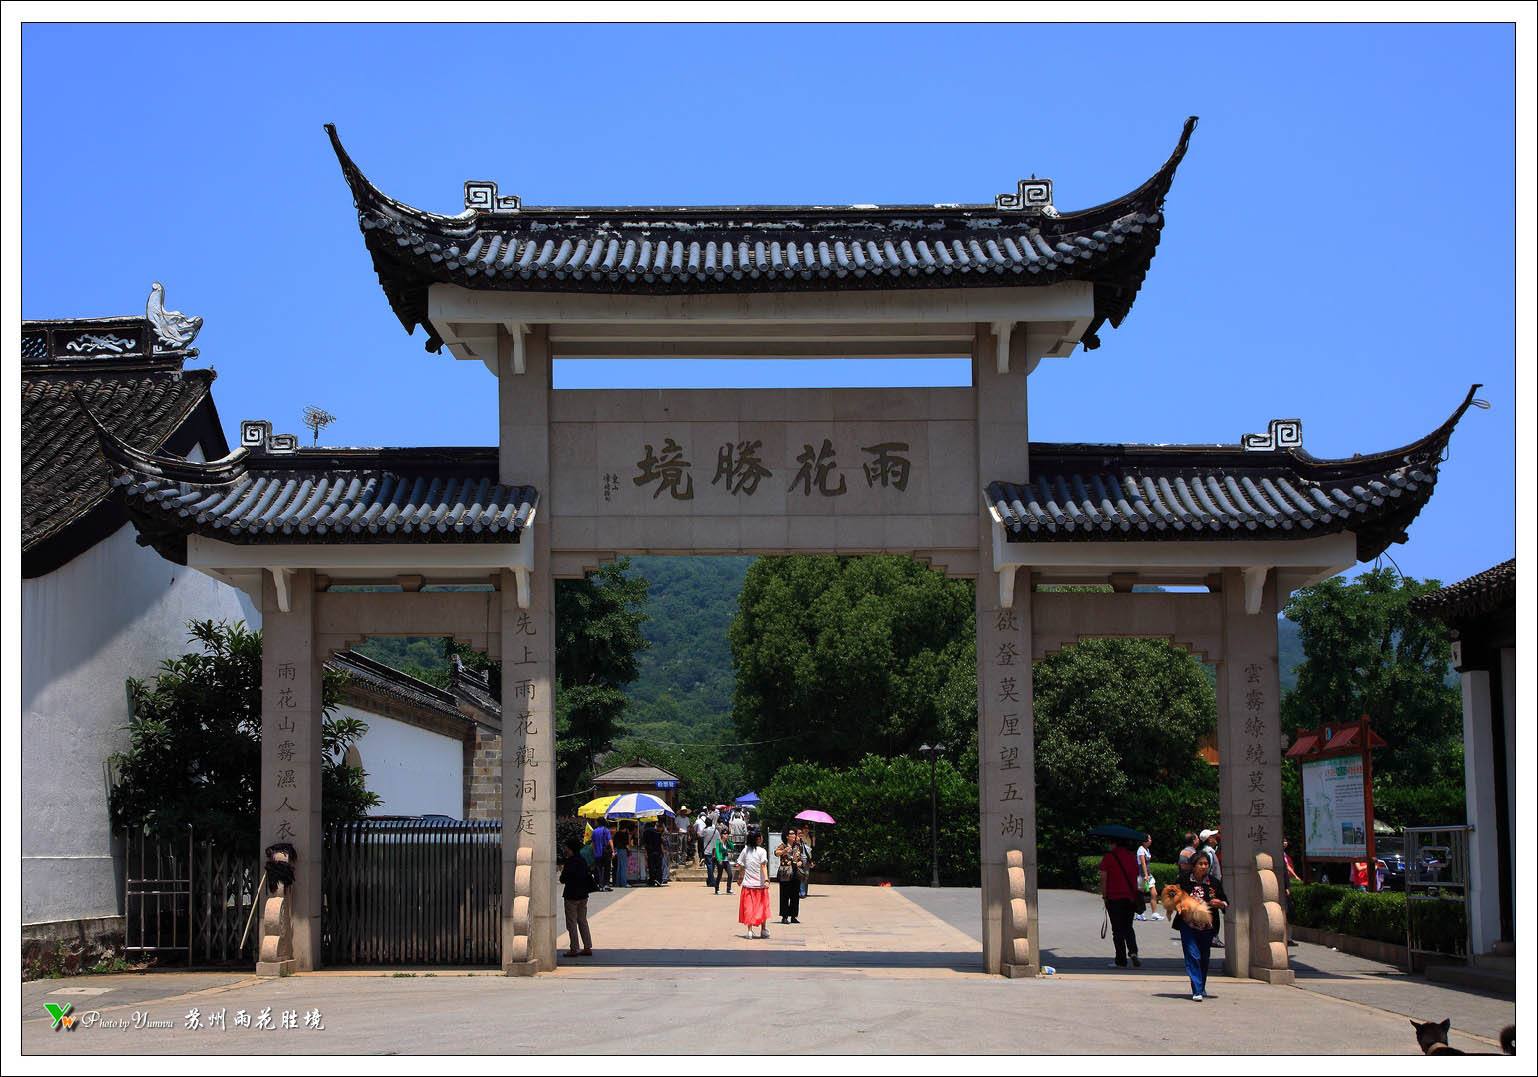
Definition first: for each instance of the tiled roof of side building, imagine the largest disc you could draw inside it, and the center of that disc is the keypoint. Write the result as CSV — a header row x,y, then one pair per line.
x,y
1171,492
140,394
1482,593
498,243
391,682
427,495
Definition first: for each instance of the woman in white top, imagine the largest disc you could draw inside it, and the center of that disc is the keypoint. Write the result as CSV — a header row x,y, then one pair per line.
x,y
1145,879
753,874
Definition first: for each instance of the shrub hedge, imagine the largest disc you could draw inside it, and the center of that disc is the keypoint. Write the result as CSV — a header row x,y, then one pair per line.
x,y
1349,911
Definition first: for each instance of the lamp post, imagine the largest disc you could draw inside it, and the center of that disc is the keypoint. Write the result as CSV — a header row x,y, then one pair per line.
x,y
932,753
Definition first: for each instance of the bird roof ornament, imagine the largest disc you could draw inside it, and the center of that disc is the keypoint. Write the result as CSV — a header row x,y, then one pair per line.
x,y
174,331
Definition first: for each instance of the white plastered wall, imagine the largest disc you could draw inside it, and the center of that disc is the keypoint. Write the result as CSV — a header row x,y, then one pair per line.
x,y
414,771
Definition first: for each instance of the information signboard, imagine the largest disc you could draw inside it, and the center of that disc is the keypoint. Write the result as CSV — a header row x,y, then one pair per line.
x,y
1335,807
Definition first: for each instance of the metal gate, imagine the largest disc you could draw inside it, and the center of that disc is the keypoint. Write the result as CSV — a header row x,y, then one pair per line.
x,y
186,898
1437,890
413,892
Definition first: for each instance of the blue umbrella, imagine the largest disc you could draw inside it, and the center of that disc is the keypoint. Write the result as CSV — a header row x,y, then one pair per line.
x,y
748,799
636,805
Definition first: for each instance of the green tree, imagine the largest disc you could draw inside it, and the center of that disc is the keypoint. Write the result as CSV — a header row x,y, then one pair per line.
x,y
841,657
1118,722
1365,653
882,808
195,738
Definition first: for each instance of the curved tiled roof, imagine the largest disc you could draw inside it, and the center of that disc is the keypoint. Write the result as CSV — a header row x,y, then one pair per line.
x,y
393,683
145,401
1131,492
1480,594
321,496
732,249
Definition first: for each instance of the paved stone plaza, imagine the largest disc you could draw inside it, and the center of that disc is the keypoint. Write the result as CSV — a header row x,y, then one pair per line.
x,y
869,970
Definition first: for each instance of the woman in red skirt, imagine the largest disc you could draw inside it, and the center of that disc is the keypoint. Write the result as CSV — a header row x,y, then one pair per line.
x,y
753,874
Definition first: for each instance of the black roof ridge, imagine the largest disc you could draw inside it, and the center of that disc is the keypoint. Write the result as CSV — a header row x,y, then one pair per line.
x,y
355,657
101,365
1154,188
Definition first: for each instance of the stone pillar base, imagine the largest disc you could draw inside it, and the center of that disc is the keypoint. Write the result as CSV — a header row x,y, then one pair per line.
x,y
521,968
1281,977
1019,972
287,967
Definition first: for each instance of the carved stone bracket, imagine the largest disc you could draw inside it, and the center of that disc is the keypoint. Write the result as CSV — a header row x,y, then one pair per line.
x,y
1280,434
518,958
1268,920
275,945
1017,934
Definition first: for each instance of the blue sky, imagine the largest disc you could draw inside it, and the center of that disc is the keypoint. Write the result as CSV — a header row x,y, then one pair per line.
x,y
1339,243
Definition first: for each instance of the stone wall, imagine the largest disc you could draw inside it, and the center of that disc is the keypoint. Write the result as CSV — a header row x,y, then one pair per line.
x,y
483,775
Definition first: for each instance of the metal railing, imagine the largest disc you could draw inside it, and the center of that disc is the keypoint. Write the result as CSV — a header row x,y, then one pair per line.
x,y
186,897
413,891
1437,891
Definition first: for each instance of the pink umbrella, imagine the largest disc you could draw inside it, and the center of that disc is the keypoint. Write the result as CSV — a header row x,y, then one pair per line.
x,y
813,816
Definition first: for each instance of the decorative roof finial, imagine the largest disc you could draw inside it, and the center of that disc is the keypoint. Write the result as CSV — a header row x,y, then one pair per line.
x,y
1029,196
1280,434
173,329
257,436
481,197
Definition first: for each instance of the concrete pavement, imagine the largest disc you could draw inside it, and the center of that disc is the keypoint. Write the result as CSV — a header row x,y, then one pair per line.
x,y
869,970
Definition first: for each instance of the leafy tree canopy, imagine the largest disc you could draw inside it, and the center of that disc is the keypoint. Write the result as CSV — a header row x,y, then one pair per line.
x,y
1118,723
841,657
196,744
1366,653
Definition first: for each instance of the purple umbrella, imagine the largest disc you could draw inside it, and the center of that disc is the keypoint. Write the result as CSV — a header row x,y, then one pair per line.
x,y
813,816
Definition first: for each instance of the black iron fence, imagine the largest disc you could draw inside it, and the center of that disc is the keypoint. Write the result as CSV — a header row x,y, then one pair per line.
x,y
187,898
413,891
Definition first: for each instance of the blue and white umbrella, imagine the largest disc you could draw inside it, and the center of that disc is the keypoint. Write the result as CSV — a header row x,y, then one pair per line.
x,y
637,806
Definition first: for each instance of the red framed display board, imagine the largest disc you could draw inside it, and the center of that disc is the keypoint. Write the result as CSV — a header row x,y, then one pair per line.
x,y
1335,768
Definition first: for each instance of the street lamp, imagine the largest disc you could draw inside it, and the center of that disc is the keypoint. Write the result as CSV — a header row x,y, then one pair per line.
x,y
932,753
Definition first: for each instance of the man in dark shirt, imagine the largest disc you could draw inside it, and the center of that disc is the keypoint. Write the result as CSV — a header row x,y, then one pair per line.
x,y
651,841
579,882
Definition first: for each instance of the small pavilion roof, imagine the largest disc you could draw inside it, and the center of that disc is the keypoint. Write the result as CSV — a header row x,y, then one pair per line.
x,y
637,770
1192,492
329,495
497,243
1482,594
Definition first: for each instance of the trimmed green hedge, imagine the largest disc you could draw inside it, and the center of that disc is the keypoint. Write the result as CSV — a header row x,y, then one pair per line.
x,y
1349,911
1089,873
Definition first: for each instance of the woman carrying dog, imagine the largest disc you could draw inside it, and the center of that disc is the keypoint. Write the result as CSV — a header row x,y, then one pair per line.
x,y
1199,901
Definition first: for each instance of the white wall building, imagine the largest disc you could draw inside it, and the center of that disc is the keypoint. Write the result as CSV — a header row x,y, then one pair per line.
x,y
97,608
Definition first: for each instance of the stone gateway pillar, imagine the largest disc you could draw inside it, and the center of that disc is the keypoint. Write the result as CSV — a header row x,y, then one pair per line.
x,y
529,855
1250,775
1005,733
291,747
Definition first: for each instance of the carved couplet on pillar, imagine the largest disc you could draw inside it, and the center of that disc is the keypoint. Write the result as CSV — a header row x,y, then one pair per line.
x,y
1008,781
291,752
1250,775
528,780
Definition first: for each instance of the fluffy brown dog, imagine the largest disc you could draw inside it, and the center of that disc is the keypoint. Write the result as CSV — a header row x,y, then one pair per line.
x,y
1179,903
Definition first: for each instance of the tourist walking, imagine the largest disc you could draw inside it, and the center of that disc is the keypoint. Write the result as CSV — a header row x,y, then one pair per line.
x,y
1187,852
753,875
579,882
708,839
1196,942
603,856
792,857
622,856
806,869
1145,880
1209,839
651,842
1118,869
723,858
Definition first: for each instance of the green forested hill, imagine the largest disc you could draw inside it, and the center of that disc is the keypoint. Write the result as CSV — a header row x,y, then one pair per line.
x,y
684,692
